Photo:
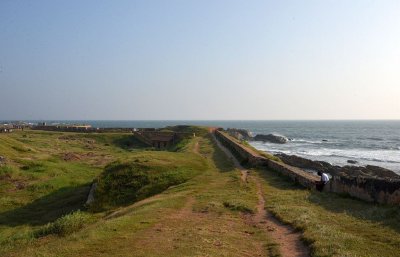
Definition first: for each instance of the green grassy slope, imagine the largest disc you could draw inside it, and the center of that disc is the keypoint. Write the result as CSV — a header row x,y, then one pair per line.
x,y
47,175
203,212
189,219
334,225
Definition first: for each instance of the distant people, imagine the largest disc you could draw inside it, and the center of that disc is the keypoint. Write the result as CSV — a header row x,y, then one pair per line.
x,y
324,180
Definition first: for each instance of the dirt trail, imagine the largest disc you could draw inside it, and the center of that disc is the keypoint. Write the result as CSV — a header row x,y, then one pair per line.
x,y
186,211
289,240
197,148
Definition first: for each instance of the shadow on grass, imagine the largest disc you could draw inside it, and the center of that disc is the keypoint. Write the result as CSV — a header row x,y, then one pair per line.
x,y
222,162
128,142
279,180
47,208
385,215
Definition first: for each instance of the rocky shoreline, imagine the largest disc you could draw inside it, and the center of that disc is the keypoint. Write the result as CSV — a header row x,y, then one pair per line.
x,y
368,171
243,134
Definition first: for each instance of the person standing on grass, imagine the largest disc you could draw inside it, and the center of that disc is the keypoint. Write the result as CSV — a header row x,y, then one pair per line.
x,y
324,180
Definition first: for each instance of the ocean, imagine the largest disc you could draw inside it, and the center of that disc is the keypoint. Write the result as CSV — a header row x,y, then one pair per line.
x,y
367,142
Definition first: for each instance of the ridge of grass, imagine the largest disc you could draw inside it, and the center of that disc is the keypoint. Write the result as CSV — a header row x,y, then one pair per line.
x,y
123,183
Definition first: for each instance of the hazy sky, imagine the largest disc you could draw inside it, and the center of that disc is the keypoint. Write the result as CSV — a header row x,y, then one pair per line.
x,y
200,59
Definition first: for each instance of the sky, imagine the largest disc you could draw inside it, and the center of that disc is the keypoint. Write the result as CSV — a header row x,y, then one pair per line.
x,y
199,59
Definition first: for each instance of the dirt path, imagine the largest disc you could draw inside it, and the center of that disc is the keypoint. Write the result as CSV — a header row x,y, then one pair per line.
x,y
289,240
197,148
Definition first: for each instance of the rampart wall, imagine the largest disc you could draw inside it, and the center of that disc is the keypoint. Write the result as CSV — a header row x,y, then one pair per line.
x,y
369,189
81,129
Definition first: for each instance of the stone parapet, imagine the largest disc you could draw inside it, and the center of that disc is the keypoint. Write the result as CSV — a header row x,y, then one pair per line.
x,y
385,191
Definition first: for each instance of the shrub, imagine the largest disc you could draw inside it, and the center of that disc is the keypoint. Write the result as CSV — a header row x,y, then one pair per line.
x,y
65,225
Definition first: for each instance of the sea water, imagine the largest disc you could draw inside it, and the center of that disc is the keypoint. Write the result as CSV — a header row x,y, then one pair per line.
x,y
367,142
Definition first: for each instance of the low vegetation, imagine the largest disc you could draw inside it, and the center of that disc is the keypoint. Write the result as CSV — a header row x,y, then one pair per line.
x,y
186,201
196,209
65,225
334,225
238,206
123,183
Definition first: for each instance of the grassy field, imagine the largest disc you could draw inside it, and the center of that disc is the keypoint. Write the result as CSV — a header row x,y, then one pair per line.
x,y
199,215
188,201
334,225
48,174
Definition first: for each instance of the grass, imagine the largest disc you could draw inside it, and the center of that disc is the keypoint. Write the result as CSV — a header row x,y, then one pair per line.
x,y
123,183
238,206
37,186
262,153
65,225
188,218
189,201
334,225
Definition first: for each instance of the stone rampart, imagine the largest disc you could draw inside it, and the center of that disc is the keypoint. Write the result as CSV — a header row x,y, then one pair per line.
x,y
244,155
81,129
386,191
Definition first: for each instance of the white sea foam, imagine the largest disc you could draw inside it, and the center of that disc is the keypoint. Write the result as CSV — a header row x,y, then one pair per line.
x,y
380,157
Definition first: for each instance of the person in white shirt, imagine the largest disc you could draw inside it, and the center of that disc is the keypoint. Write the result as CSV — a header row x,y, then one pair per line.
x,y
324,180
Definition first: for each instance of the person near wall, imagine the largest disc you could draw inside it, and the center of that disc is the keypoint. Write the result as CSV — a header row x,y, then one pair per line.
x,y
324,180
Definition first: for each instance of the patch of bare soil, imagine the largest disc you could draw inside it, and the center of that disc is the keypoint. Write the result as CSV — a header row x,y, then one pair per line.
x,y
71,157
3,160
18,183
89,157
197,148
185,226
289,240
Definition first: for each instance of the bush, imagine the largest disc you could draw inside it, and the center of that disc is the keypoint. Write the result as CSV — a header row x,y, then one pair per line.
x,y
65,225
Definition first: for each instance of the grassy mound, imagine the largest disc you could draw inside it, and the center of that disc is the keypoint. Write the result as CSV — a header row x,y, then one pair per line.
x,y
123,183
199,131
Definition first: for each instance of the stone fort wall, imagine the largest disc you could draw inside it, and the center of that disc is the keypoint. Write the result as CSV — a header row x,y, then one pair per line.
x,y
369,189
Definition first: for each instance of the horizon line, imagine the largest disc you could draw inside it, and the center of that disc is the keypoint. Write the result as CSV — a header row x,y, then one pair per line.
x,y
397,119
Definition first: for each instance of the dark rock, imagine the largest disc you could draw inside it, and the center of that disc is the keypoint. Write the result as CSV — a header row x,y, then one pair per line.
x,y
277,139
304,163
352,161
368,171
381,172
240,134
